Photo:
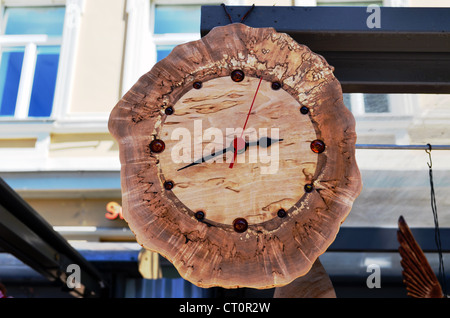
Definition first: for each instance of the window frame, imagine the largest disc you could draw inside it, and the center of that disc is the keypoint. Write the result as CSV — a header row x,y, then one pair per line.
x,y
399,106
40,128
67,43
171,38
141,42
30,42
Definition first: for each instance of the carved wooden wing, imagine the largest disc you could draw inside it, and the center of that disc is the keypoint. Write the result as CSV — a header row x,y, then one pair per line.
x,y
420,280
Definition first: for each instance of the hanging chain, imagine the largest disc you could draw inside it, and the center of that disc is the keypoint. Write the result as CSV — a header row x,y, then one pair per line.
x,y
437,235
247,13
242,19
226,12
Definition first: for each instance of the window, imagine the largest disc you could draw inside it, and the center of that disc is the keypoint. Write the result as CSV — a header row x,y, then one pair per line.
x,y
173,25
361,104
154,28
376,103
31,43
177,19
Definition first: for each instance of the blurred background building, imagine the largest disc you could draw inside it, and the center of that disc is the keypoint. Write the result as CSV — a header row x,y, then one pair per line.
x,y
66,63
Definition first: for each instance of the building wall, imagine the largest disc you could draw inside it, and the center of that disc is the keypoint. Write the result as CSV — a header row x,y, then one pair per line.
x,y
97,79
67,166
430,3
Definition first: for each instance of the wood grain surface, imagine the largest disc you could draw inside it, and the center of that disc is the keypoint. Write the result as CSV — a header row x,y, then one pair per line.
x,y
225,194
270,253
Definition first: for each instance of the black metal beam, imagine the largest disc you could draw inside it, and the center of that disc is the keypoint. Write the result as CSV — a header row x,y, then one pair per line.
x,y
371,239
27,246
409,53
26,235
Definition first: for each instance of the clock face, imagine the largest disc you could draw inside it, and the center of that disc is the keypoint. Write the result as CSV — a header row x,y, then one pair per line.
x,y
254,184
238,158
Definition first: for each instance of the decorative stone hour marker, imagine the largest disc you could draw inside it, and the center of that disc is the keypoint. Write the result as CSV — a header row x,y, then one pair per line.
x,y
168,185
281,213
304,110
240,225
199,215
276,86
317,146
308,187
169,110
157,146
237,75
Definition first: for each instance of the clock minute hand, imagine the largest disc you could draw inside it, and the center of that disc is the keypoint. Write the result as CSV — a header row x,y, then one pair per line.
x,y
245,124
206,158
264,142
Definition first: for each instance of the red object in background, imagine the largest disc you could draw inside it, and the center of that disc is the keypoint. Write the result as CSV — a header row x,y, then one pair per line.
x,y
3,292
114,210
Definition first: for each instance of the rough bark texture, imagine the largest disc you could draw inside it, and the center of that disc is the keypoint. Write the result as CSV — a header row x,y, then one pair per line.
x,y
268,254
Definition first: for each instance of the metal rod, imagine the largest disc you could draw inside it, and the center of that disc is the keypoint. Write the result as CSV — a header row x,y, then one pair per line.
x,y
407,147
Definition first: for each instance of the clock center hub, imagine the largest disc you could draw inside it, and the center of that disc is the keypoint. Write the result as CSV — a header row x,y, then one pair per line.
x,y
239,145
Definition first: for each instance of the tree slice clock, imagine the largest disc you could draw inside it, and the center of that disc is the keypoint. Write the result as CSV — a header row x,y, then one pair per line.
x,y
238,158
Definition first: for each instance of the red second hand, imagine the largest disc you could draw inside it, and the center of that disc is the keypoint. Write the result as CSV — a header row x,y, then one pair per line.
x,y
235,142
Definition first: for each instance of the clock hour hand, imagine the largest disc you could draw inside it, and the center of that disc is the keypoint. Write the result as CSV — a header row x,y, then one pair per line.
x,y
264,142
206,158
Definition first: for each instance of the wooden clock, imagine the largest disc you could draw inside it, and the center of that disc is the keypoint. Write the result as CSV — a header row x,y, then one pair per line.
x,y
238,158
